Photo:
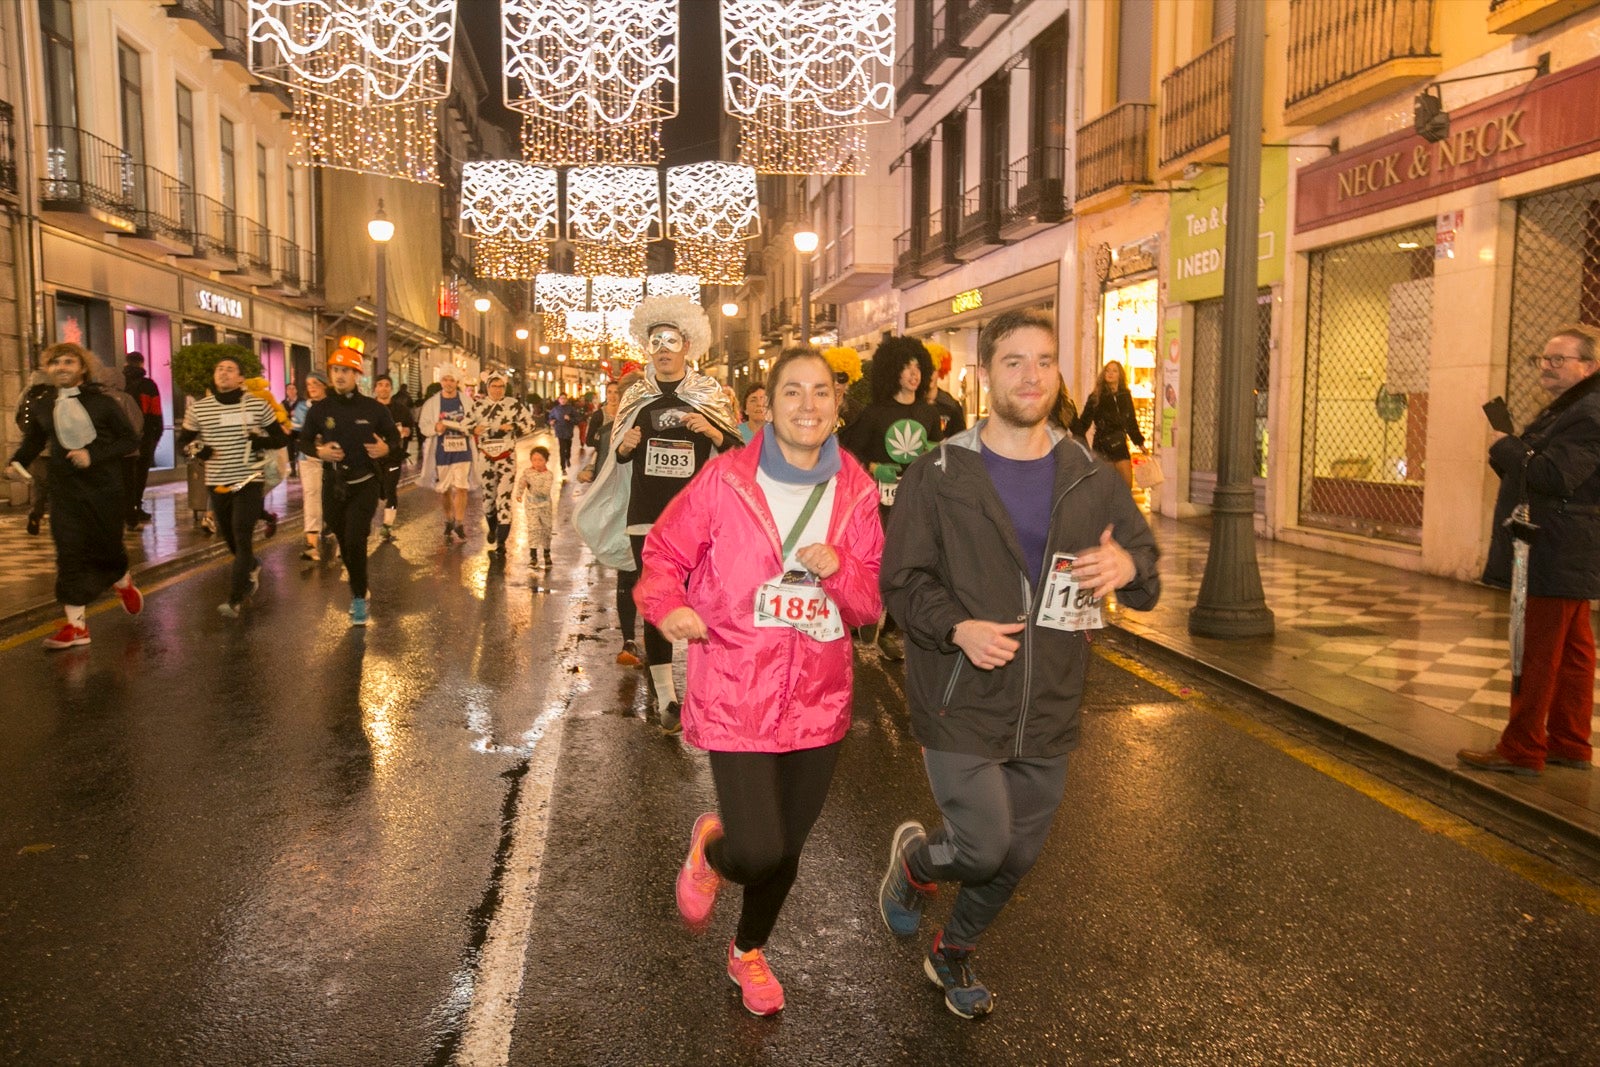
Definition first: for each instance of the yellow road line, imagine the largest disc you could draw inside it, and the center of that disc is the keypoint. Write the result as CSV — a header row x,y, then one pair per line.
x,y
45,630
1429,816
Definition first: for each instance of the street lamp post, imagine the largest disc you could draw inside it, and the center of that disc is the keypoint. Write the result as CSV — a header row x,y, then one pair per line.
x,y
482,304
1231,602
729,310
381,230
805,242
523,335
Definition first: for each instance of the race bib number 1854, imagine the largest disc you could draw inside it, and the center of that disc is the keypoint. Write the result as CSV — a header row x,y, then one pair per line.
x,y
1066,604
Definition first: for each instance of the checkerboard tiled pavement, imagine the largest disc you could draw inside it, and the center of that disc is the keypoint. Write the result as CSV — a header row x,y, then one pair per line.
x,y
28,562
1418,663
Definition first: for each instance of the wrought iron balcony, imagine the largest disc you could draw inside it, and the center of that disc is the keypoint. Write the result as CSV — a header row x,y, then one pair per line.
x,y
254,254
1036,192
906,253
1530,16
981,210
1114,150
945,54
216,232
980,19
1196,102
1344,54
286,265
8,150
86,174
908,81
939,242
163,221
223,25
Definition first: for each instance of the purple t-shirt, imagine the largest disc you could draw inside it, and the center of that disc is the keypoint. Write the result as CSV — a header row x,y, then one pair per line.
x,y
1027,489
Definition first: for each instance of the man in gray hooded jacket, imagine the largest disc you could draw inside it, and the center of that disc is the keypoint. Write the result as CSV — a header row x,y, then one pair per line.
x,y
1002,543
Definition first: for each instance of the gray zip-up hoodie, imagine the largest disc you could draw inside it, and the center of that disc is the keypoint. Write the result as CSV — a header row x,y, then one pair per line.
x,y
952,554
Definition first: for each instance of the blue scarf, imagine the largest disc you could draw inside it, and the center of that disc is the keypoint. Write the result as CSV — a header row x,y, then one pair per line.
x,y
781,470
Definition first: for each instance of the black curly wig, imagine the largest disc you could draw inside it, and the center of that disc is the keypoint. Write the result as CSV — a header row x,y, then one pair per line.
x,y
890,359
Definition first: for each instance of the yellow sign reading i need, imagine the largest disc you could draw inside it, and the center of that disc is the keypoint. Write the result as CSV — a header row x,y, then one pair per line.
x,y
1199,227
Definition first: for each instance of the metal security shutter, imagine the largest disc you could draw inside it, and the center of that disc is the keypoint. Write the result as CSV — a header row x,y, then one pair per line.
x,y
1203,392
1555,281
1368,342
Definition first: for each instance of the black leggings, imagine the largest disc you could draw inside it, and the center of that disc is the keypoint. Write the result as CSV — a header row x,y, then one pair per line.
x,y
237,513
768,802
347,510
657,649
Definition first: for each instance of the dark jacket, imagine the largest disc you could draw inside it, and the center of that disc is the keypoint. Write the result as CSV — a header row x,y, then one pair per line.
x,y
148,396
114,437
1114,423
351,420
952,554
1554,464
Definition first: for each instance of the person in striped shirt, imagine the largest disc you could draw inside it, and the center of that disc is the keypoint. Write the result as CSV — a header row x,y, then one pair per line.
x,y
233,430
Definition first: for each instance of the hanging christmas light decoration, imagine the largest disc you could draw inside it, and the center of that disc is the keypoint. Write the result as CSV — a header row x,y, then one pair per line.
x,y
673,285
803,77
711,210
560,292
510,209
555,326
612,215
365,78
611,293
593,78
586,327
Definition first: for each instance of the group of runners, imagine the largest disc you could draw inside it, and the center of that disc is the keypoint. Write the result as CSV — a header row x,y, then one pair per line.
x,y
992,549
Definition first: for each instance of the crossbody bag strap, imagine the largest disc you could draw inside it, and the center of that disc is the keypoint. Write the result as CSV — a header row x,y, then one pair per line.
x,y
805,517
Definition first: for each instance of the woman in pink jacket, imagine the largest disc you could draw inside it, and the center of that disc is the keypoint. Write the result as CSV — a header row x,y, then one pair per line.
x,y
763,563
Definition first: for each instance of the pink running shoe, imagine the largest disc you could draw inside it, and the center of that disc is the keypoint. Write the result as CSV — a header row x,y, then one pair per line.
x,y
697,882
760,991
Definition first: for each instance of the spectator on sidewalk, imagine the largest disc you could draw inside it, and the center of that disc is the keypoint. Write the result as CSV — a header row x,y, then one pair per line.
x,y
1109,412
761,564
148,396
1553,465
1002,543
40,395
88,434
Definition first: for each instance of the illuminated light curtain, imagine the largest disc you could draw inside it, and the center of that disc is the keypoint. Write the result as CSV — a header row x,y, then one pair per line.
x,y
555,326
673,285
560,292
803,77
612,215
593,79
712,209
365,77
509,208
610,293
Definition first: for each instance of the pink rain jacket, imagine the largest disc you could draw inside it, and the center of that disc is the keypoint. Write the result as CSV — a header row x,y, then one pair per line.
x,y
759,689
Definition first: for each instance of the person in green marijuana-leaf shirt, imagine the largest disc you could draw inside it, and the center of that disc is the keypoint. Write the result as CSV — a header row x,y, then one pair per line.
x,y
896,428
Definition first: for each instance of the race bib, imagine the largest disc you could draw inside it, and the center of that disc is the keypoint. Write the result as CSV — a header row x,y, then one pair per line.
x,y
1066,604
801,605
455,444
669,459
886,492
234,416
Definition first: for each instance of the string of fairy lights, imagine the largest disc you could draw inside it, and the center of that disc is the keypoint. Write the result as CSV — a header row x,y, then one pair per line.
x,y
593,81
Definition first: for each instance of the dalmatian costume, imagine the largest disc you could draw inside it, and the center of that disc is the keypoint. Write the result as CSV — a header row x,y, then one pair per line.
x,y
489,420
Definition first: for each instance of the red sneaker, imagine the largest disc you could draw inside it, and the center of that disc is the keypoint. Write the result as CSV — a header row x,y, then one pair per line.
x,y
68,636
760,991
132,599
697,882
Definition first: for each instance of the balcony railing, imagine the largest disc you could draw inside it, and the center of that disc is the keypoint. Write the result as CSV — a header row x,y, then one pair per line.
x,y
1036,190
1531,16
8,149
981,18
905,257
257,246
1334,40
287,265
1196,100
166,206
1114,149
944,51
981,209
224,20
216,227
82,170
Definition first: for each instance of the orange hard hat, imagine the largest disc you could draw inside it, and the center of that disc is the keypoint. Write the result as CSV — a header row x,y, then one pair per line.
x,y
346,357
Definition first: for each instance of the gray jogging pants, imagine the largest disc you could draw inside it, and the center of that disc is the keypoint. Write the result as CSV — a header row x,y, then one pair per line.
x,y
997,815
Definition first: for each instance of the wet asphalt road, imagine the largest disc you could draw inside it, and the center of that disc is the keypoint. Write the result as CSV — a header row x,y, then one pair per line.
x,y
280,841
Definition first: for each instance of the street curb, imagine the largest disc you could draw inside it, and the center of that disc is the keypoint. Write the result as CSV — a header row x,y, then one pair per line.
x,y
1458,783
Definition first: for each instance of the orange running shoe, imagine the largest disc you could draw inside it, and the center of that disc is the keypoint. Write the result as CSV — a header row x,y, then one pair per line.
x,y
760,991
697,882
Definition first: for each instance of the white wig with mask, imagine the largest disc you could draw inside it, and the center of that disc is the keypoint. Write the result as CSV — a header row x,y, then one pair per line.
x,y
680,311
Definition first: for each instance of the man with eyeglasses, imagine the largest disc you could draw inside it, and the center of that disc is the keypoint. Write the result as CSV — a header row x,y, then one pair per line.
x,y
668,426
1553,466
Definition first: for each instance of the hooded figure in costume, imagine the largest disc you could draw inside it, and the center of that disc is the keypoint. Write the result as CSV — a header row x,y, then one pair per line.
x,y
497,420
668,426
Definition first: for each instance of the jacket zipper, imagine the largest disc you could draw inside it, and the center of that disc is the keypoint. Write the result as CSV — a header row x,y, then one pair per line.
x,y
1026,619
950,690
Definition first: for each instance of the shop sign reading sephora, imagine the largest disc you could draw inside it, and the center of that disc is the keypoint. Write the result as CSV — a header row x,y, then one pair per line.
x,y
215,303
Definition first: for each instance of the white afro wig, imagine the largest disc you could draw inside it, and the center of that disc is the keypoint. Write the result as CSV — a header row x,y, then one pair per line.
x,y
679,311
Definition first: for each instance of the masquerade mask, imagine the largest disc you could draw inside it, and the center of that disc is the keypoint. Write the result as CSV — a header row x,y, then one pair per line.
x,y
666,339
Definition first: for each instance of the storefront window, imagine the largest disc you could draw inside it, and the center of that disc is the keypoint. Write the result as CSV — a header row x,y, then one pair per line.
x,y
1128,327
1368,335
1555,281
1205,387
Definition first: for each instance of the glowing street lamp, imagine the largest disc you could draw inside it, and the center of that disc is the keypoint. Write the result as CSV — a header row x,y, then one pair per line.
x,y
805,242
482,304
381,230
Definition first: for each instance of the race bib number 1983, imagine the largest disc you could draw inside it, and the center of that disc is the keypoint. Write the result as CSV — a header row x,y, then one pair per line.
x,y
669,459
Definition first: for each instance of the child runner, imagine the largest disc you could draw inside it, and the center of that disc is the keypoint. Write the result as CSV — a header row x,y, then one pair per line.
x,y
535,492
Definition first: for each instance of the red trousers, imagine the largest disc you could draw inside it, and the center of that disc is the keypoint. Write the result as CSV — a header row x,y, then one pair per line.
x,y
1552,714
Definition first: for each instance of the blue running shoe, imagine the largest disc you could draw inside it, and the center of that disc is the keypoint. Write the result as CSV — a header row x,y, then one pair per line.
x,y
901,897
950,969
358,611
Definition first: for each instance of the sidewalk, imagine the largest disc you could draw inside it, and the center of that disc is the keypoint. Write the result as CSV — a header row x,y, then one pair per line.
x,y
1396,662
170,542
